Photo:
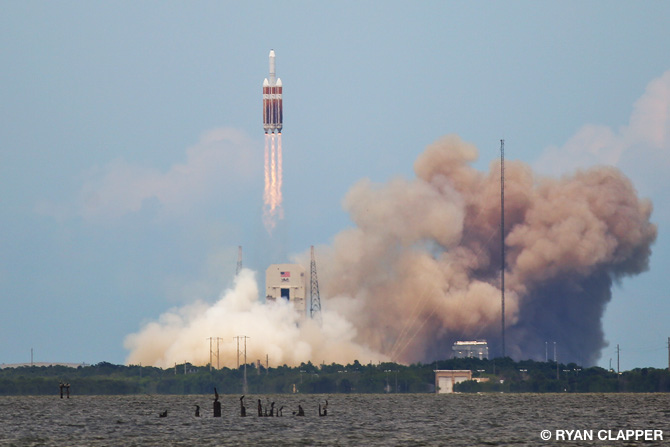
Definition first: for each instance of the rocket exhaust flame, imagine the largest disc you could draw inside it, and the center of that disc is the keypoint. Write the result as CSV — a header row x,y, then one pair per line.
x,y
279,177
272,195
273,172
266,172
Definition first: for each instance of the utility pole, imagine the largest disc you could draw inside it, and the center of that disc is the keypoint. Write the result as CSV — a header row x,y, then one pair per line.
x,y
211,351
618,371
546,351
218,339
668,353
238,351
502,236
244,385
556,360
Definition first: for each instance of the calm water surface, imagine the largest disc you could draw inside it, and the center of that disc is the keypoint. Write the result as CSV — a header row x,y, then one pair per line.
x,y
367,420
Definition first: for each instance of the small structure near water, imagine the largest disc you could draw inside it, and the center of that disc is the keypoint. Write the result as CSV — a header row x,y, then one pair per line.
x,y
445,379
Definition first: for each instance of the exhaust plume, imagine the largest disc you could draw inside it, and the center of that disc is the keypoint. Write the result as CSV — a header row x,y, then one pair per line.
x,y
273,176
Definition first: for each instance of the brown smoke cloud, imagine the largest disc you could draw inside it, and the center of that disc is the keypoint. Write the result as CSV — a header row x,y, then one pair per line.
x,y
421,267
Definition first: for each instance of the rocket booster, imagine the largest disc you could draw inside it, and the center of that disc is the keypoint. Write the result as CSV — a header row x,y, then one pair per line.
x,y
273,114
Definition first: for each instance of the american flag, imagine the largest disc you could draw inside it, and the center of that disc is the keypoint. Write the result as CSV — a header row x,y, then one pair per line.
x,y
285,274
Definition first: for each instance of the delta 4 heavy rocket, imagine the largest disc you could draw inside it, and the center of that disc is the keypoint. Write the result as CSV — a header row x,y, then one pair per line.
x,y
273,114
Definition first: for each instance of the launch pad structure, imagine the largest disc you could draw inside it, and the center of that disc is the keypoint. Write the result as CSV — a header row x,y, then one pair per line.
x,y
288,282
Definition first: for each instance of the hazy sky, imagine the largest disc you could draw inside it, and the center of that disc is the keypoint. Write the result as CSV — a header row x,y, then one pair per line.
x,y
131,156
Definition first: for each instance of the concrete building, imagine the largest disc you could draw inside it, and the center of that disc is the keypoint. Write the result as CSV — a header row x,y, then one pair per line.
x,y
445,379
471,349
287,282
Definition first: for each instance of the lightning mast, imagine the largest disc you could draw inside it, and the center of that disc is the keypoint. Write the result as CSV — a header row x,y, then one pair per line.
x,y
239,260
502,236
315,299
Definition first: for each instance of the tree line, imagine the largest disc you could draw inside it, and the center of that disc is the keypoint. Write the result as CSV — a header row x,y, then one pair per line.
x,y
496,375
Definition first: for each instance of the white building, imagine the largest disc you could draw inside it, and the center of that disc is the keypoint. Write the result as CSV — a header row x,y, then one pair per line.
x,y
287,282
471,349
445,379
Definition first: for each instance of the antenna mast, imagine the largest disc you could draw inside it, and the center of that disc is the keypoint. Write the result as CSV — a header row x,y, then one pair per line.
x,y
315,299
239,260
502,236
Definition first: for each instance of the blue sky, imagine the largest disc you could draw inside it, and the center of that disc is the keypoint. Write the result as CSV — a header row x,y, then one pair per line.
x,y
131,150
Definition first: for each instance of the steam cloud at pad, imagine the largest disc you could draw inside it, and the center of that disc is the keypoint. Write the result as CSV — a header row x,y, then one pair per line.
x,y
421,268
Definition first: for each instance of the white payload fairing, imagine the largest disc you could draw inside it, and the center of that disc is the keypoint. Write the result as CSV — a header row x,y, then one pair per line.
x,y
273,114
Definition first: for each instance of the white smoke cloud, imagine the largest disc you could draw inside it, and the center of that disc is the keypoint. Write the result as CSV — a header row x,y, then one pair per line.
x,y
221,161
275,330
644,140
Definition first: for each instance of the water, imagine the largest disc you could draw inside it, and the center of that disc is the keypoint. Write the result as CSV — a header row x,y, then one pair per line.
x,y
368,420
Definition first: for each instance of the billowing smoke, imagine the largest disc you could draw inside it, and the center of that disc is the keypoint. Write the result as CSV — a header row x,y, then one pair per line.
x,y
181,334
422,265
421,269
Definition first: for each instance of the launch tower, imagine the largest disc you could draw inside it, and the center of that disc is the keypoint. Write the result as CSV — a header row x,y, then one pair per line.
x,y
286,282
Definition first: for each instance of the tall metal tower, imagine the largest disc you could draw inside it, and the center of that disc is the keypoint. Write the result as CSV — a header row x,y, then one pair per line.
x,y
315,299
502,236
244,383
239,260
211,352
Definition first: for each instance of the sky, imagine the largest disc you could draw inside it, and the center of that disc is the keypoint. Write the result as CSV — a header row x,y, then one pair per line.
x,y
131,149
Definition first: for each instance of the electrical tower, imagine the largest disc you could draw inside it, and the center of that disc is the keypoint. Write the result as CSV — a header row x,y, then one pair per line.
x,y
211,351
239,260
315,299
502,236
244,384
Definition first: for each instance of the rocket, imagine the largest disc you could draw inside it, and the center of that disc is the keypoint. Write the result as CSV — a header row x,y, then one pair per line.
x,y
273,114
